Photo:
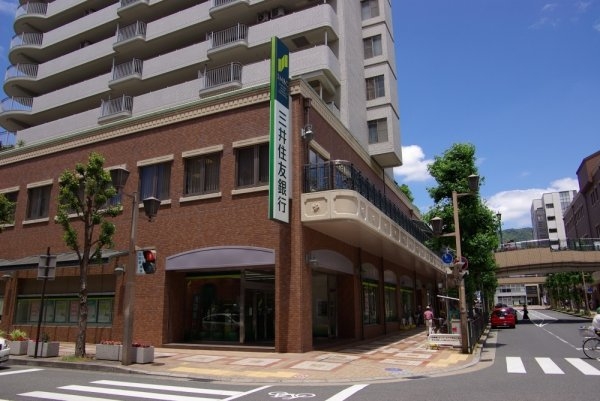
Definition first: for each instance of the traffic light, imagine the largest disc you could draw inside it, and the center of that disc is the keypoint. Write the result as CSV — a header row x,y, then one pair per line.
x,y
149,263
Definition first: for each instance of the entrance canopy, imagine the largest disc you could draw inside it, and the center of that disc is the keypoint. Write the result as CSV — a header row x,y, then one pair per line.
x,y
221,257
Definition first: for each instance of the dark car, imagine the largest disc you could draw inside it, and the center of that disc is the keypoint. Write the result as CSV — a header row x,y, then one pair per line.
x,y
503,317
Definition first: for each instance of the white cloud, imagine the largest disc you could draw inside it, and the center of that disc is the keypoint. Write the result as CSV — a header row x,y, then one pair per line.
x,y
582,6
515,205
8,7
549,7
596,26
414,165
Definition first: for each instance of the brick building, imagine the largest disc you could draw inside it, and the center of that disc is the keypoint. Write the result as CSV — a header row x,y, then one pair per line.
x,y
350,264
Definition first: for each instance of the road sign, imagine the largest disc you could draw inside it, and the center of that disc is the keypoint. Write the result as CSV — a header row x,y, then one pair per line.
x,y
447,258
464,261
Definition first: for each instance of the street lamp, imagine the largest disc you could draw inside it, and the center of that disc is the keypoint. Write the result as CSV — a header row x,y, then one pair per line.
x,y
119,177
436,225
499,216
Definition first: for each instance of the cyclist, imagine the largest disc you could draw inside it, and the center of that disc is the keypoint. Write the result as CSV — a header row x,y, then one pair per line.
x,y
596,322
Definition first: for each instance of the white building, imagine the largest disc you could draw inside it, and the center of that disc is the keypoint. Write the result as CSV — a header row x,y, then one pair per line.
x,y
79,65
547,216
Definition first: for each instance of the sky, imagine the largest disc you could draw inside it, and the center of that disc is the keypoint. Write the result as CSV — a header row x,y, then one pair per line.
x,y
518,79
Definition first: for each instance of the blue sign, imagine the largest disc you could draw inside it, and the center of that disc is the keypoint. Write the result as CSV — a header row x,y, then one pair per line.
x,y
447,258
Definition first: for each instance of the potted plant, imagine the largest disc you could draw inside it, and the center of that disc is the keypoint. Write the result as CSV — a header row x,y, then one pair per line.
x,y
45,347
142,353
18,342
109,350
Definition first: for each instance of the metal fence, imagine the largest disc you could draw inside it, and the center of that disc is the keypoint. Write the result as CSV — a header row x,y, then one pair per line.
x,y
341,174
578,244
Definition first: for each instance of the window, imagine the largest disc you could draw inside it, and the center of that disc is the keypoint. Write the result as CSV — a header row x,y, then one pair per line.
x,y
201,175
252,165
378,130
369,9
38,202
375,87
370,305
372,46
64,310
155,181
391,307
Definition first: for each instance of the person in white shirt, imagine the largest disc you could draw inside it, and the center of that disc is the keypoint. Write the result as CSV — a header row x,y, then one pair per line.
x,y
596,322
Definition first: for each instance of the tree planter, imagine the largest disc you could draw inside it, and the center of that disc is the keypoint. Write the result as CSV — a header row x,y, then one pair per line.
x,y
18,347
143,354
45,349
109,352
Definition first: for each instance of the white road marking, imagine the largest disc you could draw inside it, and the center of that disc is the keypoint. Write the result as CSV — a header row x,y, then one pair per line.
x,y
342,395
16,372
514,364
131,393
549,367
62,397
583,367
167,388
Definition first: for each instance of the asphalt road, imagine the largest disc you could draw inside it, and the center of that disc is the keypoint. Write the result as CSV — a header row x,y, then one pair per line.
x,y
539,360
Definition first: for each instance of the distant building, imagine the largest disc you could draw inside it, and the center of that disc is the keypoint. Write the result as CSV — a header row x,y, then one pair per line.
x,y
547,215
582,217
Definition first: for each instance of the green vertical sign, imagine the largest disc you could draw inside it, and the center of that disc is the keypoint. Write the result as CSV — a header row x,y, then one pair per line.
x,y
279,147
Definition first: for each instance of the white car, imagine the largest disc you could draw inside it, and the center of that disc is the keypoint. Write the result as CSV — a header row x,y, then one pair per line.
x,y
4,350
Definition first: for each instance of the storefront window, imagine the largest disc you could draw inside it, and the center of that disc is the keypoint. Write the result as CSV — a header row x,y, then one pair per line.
x,y
64,310
391,307
370,290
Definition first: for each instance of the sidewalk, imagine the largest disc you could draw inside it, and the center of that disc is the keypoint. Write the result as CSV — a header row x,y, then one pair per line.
x,y
390,358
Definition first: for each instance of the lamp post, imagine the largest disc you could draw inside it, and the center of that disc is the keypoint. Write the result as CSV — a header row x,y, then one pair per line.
x,y
499,216
119,177
436,224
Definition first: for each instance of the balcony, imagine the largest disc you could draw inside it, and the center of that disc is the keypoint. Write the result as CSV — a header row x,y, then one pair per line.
x,y
126,72
27,71
227,38
8,140
340,202
131,34
221,79
27,39
114,109
31,9
16,103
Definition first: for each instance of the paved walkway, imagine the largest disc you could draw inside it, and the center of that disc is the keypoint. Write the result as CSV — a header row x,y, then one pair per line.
x,y
390,358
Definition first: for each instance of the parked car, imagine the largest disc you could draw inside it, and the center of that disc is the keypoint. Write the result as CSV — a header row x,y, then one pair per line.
x,y
4,350
503,317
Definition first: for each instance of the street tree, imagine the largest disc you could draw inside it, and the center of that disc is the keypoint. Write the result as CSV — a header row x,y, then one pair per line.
x,y
7,211
85,203
478,223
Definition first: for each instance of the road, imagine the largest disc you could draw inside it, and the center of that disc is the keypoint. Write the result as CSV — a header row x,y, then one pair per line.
x,y
539,360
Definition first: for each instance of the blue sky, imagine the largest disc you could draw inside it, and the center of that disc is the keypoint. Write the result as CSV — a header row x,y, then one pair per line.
x,y
519,79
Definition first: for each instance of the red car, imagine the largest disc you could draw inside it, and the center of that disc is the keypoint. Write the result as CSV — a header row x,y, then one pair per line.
x,y
503,317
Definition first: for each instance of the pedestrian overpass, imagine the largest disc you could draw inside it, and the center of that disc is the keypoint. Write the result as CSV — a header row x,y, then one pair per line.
x,y
523,267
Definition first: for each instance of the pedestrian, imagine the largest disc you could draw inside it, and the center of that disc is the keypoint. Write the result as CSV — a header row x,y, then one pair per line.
x,y
428,316
418,316
525,313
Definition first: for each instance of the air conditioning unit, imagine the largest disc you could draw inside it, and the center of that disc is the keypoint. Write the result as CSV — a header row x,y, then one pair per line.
x,y
262,17
277,12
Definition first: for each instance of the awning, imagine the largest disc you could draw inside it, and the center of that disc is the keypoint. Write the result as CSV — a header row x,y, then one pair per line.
x,y
221,257
62,260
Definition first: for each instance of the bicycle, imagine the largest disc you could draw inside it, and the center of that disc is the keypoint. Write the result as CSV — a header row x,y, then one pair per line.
x,y
591,342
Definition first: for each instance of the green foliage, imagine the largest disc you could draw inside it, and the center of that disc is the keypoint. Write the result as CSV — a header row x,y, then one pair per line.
x,y
406,190
83,199
477,223
17,335
7,211
517,234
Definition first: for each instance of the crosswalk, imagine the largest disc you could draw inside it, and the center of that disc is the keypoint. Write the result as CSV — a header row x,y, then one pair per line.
x,y
104,390
548,366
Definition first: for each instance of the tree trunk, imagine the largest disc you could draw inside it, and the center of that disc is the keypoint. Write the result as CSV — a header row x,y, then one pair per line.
x,y
83,313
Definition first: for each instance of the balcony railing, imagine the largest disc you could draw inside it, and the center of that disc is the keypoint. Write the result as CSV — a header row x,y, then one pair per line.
x,y
137,29
120,105
125,3
219,3
31,9
340,174
230,35
7,139
21,70
221,75
130,68
16,104
27,39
